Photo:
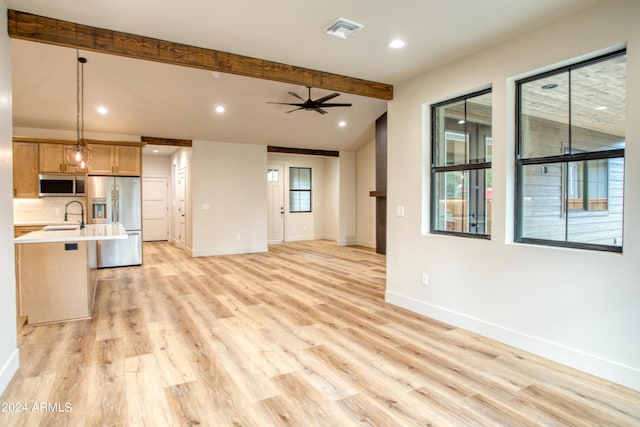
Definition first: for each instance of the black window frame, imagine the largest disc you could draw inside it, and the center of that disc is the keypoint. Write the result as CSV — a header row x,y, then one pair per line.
x,y
469,166
298,190
563,159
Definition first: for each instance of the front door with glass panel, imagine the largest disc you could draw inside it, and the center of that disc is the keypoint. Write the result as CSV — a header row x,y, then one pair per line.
x,y
275,189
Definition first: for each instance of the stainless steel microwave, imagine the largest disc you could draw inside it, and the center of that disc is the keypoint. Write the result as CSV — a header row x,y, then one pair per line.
x,y
61,185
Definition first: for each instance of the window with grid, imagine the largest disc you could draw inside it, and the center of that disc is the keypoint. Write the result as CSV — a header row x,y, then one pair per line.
x,y
461,179
570,155
299,189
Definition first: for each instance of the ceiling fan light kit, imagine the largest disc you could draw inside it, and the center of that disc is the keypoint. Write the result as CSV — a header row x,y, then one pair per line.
x,y
317,105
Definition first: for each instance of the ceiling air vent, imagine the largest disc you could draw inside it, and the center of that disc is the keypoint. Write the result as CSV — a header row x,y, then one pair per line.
x,y
343,28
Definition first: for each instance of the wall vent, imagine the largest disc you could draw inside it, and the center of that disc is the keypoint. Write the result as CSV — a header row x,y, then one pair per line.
x,y
343,28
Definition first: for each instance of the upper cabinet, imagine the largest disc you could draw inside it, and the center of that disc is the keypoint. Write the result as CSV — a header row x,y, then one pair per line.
x,y
121,160
54,160
25,170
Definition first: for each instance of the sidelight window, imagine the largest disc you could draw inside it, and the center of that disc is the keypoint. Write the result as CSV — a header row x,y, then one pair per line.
x,y
461,152
299,189
570,155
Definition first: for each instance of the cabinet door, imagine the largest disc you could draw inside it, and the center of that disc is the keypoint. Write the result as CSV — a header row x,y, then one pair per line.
x,y
25,170
127,160
51,158
102,160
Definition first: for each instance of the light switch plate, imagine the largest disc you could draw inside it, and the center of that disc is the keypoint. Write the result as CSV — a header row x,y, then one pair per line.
x,y
399,210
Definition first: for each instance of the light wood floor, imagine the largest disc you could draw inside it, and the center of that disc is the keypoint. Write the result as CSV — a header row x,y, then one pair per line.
x,y
298,336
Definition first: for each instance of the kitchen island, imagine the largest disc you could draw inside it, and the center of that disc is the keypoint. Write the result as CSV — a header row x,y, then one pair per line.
x,y
57,270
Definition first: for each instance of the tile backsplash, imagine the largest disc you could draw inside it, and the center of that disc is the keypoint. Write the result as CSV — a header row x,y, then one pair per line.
x,y
45,210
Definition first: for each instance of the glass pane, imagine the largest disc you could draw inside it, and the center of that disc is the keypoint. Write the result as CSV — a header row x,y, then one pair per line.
x,y
449,134
462,201
272,175
300,178
300,201
543,208
598,218
598,106
461,130
478,127
544,116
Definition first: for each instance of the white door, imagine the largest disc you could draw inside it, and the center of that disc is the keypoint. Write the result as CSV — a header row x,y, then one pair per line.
x,y
182,206
275,189
155,208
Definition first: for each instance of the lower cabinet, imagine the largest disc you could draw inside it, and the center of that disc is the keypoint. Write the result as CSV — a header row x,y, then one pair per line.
x,y
55,281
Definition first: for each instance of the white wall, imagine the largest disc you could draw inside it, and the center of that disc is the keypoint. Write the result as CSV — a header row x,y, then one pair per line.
x,y
9,354
577,307
229,189
155,165
366,205
331,198
347,211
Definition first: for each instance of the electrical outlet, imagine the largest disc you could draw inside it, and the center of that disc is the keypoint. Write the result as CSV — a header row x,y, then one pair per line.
x,y
425,279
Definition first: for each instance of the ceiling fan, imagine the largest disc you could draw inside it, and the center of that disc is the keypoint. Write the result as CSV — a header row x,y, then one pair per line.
x,y
316,105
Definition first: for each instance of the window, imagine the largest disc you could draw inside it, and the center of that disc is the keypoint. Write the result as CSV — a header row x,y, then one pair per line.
x,y
461,150
570,155
299,189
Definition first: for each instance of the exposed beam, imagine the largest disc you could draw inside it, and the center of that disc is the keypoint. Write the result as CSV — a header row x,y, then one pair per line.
x,y
27,26
73,141
308,152
166,141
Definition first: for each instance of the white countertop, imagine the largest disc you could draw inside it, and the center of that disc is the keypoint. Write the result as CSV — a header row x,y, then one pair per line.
x,y
90,232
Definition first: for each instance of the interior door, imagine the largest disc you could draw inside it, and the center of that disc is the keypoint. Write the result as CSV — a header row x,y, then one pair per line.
x,y
275,189
155,208
182,206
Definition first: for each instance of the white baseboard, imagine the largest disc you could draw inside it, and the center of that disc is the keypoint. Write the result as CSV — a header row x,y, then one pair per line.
x,y
229,251
591,364
9,369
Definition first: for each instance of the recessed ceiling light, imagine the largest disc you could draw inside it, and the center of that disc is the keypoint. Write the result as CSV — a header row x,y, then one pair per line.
x,y
155,151
396,44
342,123
461,122
602,107
219,109
102,110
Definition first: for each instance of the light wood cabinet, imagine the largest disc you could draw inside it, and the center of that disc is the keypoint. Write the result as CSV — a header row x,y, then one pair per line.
x,y
120,160
53,159
55,281
25,170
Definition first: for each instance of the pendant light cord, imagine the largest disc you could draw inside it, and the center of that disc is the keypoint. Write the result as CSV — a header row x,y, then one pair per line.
x,y
80,98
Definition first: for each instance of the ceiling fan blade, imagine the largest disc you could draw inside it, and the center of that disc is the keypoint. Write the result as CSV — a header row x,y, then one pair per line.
x,y
334,105
286,103
296,109
320,110
296,95
326,98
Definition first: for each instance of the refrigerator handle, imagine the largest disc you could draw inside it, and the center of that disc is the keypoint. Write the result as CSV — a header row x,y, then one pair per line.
x,y
117,204
113,204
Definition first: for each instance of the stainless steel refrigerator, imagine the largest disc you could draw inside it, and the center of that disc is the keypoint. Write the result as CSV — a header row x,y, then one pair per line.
x,y
115,200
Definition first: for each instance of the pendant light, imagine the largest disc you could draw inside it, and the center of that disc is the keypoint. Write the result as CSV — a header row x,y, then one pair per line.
x,y
78,156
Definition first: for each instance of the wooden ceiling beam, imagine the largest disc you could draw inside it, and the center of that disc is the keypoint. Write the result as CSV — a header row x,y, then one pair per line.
x,y
27,26
152,140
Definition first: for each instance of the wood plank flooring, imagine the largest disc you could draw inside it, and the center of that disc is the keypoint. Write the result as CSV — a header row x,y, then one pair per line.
x,y
298,336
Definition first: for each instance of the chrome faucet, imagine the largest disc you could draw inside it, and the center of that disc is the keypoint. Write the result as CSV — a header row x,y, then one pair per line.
x,y
66,214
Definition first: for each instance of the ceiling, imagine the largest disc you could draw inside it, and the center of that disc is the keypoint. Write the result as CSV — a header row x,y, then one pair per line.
x,y
168,101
